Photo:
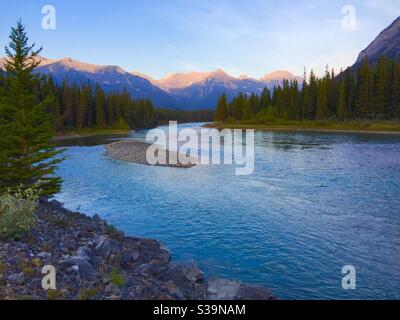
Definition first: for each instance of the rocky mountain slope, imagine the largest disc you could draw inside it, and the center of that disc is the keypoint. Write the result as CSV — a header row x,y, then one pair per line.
x,y
387,43
110,78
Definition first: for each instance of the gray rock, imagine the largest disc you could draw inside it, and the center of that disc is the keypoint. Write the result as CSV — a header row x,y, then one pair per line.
x,y
16,279
247,292
35,284
153,268
44,255
85,269
128,259
88,255
107,247
174,290
112,289
194,274
221,289
164,254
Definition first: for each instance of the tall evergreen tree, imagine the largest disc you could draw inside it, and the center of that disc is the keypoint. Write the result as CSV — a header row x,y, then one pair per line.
x,y
27,156
222,109
363,101
100,104
342,106
322,97
265,99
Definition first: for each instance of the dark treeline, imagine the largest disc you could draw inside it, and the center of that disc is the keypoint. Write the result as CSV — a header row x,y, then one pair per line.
x,y
165,115
370,92
88,106
80,106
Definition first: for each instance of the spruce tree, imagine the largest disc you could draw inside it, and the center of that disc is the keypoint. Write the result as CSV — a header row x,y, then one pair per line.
x,y
100,103
363,98
222,109
378,90
322,99
395,97
27,156
342,108
265,99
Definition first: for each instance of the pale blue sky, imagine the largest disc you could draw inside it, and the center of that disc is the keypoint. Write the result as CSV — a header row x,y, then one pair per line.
x,y
158,37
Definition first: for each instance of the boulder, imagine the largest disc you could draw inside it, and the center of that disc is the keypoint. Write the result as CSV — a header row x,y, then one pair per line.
x,y
16,279
107,247
88,255
247,292
221,289
83,267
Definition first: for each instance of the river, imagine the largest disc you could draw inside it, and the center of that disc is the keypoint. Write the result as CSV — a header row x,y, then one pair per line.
x,y
315,203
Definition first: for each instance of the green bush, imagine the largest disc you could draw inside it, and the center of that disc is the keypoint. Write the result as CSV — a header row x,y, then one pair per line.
x,y
16,213
121,124
117,279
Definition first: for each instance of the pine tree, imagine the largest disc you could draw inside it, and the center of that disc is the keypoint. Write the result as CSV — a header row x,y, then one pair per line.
x,y
322,99
363,98
27,157
246,109
100,103
81,107
222,109
395,97
255,104
67,106
378,90
265,99
342,108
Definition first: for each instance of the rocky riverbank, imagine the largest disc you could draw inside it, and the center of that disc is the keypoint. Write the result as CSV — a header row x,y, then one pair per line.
x,y
135,151
93,260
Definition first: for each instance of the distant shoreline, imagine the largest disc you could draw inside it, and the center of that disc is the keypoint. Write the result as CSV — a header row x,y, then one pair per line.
x,y
88,133
299,128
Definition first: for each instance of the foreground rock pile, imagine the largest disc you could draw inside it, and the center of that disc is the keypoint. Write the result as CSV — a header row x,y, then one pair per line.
x,y
95,261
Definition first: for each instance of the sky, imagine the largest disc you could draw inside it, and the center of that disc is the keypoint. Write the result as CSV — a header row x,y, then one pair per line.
x,y
160,37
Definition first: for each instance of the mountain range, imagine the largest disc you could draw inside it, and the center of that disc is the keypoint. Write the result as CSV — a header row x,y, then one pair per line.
x,y
186,91
196,90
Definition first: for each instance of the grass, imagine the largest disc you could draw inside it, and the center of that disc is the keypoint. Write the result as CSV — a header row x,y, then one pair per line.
x,y
54,295
87,294
27,268
317,125
117,279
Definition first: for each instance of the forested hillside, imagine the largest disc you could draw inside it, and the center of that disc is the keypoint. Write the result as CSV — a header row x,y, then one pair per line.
x,y
370,92
79,106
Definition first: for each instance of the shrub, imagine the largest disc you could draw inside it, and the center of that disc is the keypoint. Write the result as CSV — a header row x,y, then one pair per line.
x,y
121,124
117,279
16,213
88,294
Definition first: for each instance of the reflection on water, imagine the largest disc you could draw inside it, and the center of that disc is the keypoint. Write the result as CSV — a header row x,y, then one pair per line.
x,y
316,202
